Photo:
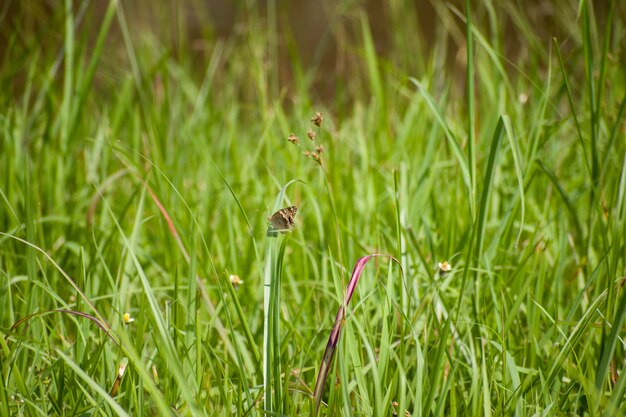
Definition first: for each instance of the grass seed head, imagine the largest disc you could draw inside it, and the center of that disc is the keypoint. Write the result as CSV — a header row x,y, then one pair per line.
x,y
316,156
317,119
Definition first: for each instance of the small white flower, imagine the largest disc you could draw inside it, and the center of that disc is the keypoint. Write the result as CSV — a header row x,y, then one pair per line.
x,y
523,98
444,267
235,280
128,319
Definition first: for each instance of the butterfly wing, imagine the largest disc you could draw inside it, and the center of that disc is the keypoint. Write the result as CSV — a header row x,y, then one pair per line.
x,y
283,219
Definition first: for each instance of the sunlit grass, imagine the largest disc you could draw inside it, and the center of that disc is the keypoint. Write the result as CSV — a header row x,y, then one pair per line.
x,y
136,183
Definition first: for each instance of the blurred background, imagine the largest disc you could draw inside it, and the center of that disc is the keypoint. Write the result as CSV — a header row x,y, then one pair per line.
x,y
310,44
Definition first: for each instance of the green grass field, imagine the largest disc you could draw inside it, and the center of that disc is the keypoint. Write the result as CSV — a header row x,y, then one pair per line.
x,y
137,178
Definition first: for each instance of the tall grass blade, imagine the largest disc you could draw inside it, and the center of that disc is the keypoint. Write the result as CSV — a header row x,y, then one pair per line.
x,y
570,98
519,173
475,245
566,200
608,152
610,342
452,139
593,101
271,310
470,93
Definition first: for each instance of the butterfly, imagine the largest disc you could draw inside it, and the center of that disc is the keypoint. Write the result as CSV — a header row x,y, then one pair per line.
x,y
282,220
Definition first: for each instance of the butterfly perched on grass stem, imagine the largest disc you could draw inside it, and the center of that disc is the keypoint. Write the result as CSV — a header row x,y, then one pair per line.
x,y
282,220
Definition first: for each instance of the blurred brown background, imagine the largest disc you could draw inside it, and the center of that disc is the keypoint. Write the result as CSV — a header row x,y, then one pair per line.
x,y
323,36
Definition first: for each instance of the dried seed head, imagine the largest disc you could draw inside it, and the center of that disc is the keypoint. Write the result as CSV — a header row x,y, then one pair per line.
x,y
307,154
317,157
320,149
293,139
394,411
317,119
311,134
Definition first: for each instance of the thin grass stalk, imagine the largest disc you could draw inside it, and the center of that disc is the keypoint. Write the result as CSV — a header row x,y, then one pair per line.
x,y
471,146
608,339
270,256
271,318
86,82
31,264
272,48
603,58
4,399
439,360
402,193
102,325
589,69
192,309
610,343
614,133
66,105
474,248
457,150
275,320
572,106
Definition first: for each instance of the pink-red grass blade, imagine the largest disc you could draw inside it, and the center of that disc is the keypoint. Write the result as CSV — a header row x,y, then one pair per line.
x,y
333,339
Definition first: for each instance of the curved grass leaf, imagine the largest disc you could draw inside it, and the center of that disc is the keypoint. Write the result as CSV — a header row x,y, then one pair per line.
x,y
333,339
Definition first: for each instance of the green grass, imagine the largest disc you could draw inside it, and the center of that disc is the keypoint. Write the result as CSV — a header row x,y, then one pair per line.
x,y
136,177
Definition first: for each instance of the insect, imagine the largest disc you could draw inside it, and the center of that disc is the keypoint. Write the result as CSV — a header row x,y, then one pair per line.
x,y
282,220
